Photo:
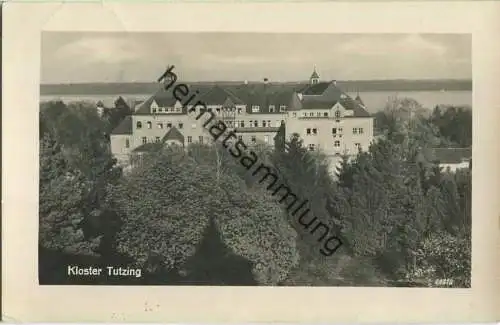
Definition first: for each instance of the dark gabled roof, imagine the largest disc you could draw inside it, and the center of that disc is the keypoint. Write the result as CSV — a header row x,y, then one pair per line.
x,y
451,155
282,97
351,104
145,106
163,98
264,97
316,104
149,147
163,101
173,134
347,103
218,96
316,89
125,126
360,111
332,95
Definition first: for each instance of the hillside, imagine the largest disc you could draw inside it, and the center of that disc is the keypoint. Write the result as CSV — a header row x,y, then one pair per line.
x,y
351,85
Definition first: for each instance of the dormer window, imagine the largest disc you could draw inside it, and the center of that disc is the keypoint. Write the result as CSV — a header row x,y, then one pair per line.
x,y
271,108
282,108
255,108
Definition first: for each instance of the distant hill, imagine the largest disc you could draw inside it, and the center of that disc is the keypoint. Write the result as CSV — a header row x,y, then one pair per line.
x,y
349,86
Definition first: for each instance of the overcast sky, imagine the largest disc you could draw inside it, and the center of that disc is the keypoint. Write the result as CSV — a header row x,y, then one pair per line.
x,y
127,57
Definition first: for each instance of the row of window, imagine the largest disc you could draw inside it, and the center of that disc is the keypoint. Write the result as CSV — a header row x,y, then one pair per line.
x,y
167,110
149,125
255,109
272,108
336,144
314,131
238,124
145,140
253,139
256,123
318,114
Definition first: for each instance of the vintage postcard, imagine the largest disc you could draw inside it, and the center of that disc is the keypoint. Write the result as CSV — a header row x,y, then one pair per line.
x,y
172,164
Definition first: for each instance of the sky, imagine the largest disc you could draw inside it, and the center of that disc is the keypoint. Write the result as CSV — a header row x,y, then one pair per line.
x,y
73,57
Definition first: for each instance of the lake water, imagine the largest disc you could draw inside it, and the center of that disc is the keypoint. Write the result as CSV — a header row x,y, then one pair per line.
x,y
374,100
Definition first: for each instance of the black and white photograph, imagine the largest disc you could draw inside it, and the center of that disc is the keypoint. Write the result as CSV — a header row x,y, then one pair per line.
x,y
255,159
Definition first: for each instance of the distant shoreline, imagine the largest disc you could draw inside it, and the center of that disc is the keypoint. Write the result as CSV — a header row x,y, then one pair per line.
x,y
348,86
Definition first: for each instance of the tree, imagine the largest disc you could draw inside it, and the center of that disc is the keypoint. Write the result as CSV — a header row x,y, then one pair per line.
x,y
116,114
168,203
454,124
76,166
445,256
62,194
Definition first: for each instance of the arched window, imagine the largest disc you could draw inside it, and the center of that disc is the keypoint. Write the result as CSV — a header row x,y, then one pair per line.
x,y
337,114
139,124
149,125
